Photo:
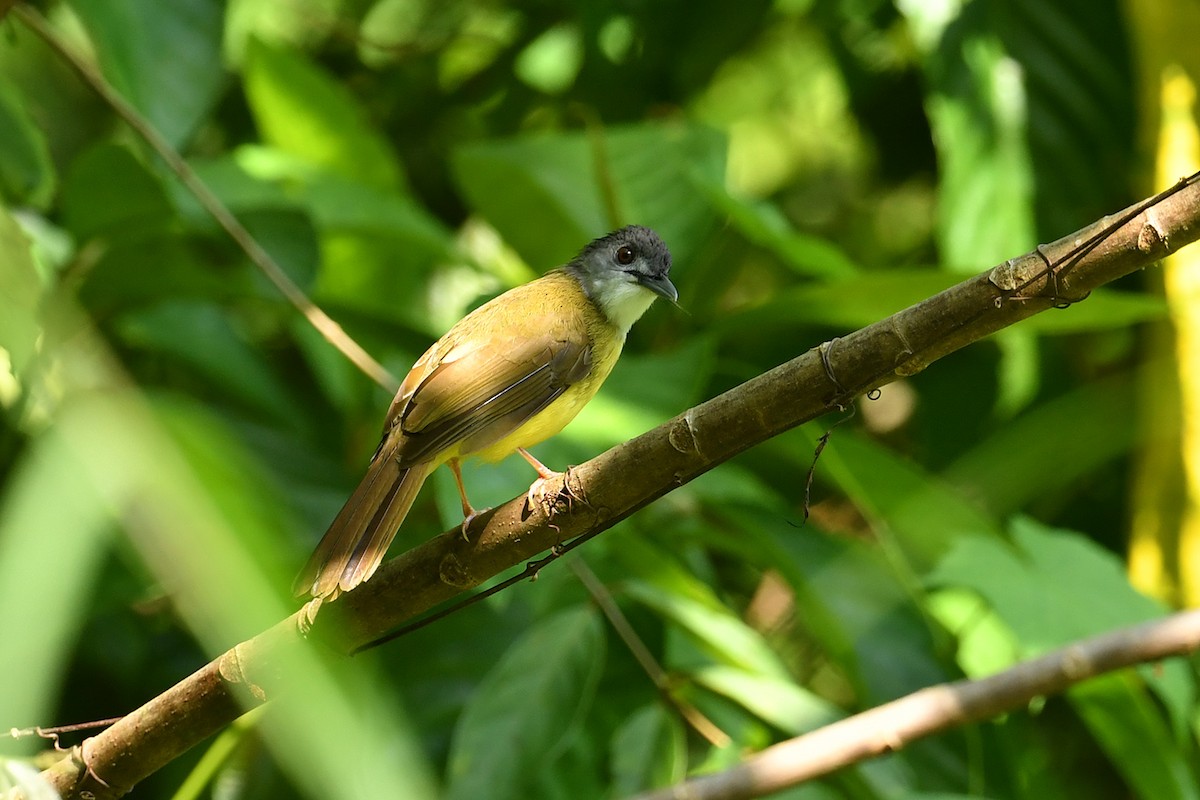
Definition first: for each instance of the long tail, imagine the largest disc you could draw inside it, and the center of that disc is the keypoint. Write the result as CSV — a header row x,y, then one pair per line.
x,y
350,551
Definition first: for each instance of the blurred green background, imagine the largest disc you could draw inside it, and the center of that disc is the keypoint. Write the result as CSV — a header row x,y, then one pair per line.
x,y
174,437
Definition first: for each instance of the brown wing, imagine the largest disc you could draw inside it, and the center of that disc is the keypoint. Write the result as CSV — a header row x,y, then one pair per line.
x,y
479,393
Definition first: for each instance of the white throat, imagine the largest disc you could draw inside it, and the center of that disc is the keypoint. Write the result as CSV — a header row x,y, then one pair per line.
x,y
623,302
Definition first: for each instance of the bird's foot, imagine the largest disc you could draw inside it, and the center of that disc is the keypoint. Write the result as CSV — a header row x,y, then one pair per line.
x,y
536,496
468,518
563,500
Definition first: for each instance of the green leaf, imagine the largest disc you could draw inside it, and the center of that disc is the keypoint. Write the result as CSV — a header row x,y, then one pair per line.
x,y
20,293
977,112
858,602
994,69
302,110
48,492
1051,447
1052,587
1030,588
129,274
859,300
649,750
1130,730
544,193
27,175
644,391
852,302
200,336
174,93
378,249
781,702
765,225
713,627
924,514
551,62
110,193
268,20
526,708
288,236
1103,310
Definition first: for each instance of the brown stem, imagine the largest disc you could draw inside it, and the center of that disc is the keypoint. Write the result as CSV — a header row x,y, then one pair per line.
x,y
658,676
934,709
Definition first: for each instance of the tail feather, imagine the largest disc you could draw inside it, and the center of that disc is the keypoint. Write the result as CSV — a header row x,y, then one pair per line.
x,y
353,547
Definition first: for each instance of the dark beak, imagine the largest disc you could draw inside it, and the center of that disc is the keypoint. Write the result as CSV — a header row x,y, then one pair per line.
x,y
661,285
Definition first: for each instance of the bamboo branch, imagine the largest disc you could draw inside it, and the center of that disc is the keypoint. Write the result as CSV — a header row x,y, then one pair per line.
x,y
617,483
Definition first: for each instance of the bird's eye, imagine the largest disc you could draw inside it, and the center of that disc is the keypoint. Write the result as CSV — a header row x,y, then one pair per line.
x,y
624,255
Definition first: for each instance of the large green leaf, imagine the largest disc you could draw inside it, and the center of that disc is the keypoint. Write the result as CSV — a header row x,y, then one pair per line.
x,y
648,750
765,225
108,192
546,194
1031,588
49,492
163,57
378,248
1025,99
20,290
201,336
302,110
779,701
527,707
717,632
1131,730
1052,587
1050,448
27,175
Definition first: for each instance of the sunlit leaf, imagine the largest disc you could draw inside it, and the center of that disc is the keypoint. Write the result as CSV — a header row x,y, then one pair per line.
x,y
546,194
303,111
1048,605
19,292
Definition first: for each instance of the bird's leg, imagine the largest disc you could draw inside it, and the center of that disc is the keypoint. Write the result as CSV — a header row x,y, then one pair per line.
x,y
469,513
537,489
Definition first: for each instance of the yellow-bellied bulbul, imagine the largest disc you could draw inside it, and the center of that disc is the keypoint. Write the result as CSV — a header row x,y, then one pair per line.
x,y
508,375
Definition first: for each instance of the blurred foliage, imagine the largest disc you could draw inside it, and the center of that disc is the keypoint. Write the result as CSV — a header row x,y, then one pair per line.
x,y
175,438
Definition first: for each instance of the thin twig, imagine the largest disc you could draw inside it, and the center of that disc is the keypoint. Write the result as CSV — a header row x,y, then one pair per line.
x,y
892,726
532,568
620,623
54,732
324,324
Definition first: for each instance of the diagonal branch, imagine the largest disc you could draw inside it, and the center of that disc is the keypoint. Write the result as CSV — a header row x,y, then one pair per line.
x,y
891,726
632,475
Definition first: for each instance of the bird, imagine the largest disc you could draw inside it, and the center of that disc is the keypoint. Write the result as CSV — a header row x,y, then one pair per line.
x,y
510,374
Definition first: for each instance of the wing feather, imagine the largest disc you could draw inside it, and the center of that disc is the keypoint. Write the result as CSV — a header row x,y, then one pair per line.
x,y
481,396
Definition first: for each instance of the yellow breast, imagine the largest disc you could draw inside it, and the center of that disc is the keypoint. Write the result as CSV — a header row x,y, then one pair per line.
x,y
606,343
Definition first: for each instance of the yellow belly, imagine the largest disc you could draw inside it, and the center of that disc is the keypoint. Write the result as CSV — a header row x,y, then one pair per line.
x,y
555,416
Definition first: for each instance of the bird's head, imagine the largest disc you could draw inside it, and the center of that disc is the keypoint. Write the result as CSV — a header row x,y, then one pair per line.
x,y
623,272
